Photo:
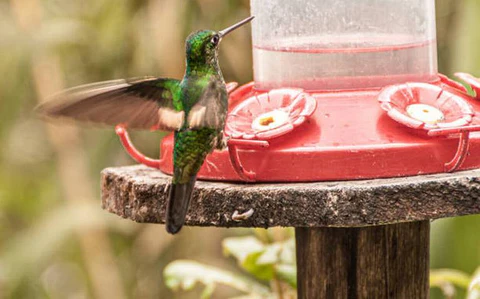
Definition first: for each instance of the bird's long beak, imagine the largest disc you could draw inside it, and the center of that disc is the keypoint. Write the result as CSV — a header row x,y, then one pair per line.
x,y
233,27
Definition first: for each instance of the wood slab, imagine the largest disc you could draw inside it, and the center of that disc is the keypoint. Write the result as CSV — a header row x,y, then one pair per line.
x,y
139,193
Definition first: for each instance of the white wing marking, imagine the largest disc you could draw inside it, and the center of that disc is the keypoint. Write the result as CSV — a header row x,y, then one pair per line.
x,y
170,118
196,117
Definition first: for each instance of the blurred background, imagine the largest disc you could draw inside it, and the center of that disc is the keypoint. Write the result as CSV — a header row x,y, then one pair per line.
x,y
55,240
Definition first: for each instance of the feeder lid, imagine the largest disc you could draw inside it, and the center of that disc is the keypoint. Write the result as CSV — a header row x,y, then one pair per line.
x,y
270,114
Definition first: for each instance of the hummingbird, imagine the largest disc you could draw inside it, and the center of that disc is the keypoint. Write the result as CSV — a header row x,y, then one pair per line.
x,y
195,108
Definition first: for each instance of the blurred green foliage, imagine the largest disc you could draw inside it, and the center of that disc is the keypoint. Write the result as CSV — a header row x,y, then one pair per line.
x,y
270,259
48,243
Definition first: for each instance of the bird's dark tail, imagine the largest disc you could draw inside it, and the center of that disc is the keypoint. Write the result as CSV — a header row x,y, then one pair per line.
x,y
177,206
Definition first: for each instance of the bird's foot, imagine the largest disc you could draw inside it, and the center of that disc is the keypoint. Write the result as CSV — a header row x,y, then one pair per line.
x,y
223,142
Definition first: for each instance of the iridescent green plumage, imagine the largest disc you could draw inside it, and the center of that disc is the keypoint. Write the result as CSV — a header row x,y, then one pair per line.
x,y
204,100
195,108
190,149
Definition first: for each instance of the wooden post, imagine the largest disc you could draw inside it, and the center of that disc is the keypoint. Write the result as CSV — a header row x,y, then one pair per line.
x,y
388,261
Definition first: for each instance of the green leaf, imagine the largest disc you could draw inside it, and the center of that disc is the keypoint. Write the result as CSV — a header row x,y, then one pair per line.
x,y
257,258
184,274
247,251
270,255
287,255
261,271
188,284
270,296
241,247
208,291
262,235
172,283
447,279
474,286
440,277
287,273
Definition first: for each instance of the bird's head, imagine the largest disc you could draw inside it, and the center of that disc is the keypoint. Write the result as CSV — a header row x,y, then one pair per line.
x,y
202,46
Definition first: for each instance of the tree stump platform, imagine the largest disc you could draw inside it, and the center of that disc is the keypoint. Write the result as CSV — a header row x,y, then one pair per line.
x,y
355,239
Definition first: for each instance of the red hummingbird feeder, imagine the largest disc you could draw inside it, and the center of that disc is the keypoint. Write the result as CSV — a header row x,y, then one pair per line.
x,y
341,94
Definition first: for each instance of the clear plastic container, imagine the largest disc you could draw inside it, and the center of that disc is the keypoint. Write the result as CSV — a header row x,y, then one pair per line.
x,y
343,44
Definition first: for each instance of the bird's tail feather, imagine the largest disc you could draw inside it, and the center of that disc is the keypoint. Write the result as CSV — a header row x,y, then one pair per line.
x,y
177,206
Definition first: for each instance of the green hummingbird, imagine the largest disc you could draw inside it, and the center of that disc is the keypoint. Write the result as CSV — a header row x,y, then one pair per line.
x,y
195,108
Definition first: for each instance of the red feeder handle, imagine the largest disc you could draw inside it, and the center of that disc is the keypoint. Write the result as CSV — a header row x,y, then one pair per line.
x,y
122,133
233,144
463,143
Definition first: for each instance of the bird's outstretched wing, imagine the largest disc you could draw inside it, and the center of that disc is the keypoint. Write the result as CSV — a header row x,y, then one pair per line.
x,y
138,103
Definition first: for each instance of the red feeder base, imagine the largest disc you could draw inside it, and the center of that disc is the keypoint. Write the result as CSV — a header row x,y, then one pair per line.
x,y
349,136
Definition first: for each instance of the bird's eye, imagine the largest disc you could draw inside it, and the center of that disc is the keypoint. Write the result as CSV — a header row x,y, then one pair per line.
x,y
215,39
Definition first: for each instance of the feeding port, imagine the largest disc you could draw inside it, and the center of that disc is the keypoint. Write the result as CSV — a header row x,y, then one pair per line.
x,y
343,90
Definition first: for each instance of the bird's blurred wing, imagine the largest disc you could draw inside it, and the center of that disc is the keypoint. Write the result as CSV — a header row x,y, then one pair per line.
x,y
211,108
147,103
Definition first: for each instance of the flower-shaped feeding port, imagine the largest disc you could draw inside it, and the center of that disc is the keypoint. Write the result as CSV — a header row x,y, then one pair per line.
x,y
433,110
264,116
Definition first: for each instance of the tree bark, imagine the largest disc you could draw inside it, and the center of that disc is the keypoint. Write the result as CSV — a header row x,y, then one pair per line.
x,y
388,261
